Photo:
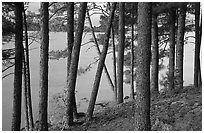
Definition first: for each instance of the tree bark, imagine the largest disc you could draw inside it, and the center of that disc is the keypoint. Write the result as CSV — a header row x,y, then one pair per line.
x,y
100,68
180,46
142,102
44,49
74,64
70,42
27,72
25,94
114,58
16,115
121,47
172,19
114,65
155,57
197,43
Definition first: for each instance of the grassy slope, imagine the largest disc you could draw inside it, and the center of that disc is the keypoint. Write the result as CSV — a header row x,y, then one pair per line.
x,y
181,111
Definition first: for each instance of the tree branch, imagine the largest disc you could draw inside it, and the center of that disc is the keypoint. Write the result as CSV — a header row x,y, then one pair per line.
x,y
56,11
7,75
8,68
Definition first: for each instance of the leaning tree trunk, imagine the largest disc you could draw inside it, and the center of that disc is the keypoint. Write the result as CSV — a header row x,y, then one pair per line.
x,y
100,67
142,102
74,62
180,46
172,19
44,48
155,57
70,42
197,43
27,71
99,52
114,59
16,115
121,47
114,65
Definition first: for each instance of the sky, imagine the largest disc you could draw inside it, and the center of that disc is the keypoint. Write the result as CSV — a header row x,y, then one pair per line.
x,y
34,7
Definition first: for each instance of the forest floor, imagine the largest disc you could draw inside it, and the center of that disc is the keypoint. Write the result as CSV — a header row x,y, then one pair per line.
x,y
179,112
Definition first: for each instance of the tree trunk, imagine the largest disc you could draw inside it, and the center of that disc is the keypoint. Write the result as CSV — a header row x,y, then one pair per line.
x,y
100,68
180,46
121,46
114,65
142,102
199,70
70,42
44,48
74,63
132,55
16,115
172,19
114,58
27,72
99,52
25,92
197,43
155,57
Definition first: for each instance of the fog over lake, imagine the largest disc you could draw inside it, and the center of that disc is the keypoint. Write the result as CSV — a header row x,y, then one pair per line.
x,y
57,76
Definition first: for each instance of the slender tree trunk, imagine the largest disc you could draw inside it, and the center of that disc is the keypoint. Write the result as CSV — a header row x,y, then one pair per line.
x,y
25,92
199,70
27,68
74,63
100,68
132,55
155,57
114,58
197,43
16,115
70,42
114,64
172,19
99,52
180,46
121,47
142,102
44,48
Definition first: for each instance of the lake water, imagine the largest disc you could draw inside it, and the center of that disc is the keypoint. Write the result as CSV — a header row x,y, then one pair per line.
x,y
57,76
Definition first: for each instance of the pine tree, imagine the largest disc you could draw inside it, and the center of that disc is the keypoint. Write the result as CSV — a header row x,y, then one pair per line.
x,y
172,36
180,45
74,62
155,56
27,76
197,44
120,57
70,42
16,115
44,48
142,102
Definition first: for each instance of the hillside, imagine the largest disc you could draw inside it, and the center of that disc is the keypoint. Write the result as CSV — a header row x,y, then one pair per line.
x,y
180,112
